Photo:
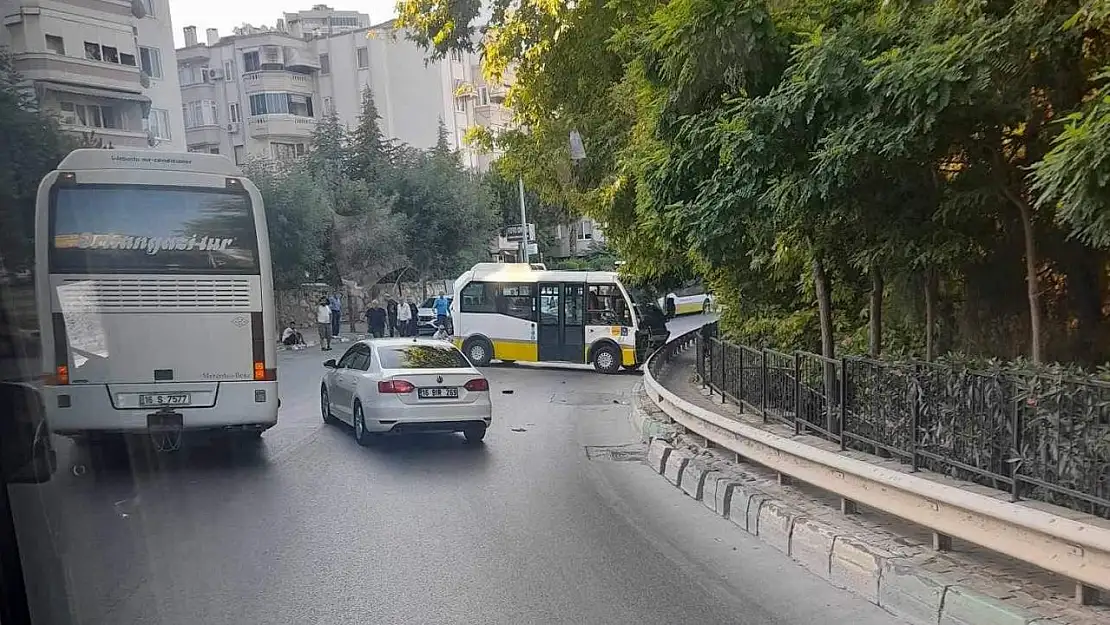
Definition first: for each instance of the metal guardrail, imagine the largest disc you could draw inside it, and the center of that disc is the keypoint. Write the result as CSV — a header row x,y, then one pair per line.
x,y
1030,532
1035,436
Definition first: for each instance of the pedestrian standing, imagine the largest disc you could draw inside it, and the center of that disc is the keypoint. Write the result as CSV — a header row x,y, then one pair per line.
x,y
335,304
404,319
414,313
323,323
391,315
376,319
442,307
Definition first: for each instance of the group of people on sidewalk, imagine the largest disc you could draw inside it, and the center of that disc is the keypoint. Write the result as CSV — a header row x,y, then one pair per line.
x,y
399,318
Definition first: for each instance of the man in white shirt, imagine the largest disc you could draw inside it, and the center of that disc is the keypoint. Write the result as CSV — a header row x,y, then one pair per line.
x,y
404,318
323,324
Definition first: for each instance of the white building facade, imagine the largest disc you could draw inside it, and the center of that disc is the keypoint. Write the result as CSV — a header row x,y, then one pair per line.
x,y
323,20
261,91
105,67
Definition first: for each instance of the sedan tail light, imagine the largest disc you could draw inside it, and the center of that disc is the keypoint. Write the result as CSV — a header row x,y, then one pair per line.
x,y
395,386
477,384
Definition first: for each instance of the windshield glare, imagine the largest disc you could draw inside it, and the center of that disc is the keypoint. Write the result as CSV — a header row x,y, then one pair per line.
x,y
139,229
422,357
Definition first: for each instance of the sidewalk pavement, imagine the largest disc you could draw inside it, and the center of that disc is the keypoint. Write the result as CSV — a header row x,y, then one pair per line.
x,y
888,560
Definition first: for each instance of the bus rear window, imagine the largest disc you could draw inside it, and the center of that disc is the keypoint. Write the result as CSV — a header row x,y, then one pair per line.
x,y
129,228
422,357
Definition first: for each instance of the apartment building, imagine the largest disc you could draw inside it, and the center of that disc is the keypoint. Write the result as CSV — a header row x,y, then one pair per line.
x,y
261,90
323,20
105,67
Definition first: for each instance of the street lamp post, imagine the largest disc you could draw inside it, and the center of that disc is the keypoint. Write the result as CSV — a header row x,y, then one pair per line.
x,y
523,223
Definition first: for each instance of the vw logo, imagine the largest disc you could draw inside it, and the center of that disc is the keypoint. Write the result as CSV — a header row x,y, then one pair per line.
x,y
240,321
439,379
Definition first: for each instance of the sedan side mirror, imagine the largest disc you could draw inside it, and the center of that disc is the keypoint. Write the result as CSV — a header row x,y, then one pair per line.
x,y
330,363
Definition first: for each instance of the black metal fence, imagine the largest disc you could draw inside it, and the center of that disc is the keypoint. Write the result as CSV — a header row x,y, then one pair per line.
x,y
1035,436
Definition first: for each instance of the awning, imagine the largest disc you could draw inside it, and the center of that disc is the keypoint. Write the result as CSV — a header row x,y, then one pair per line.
x,y
95,92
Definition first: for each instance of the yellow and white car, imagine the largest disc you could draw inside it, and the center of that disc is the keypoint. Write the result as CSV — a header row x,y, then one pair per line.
x,y
689,298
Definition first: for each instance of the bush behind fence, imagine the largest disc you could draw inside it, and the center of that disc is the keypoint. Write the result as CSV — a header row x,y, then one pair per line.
x,y
1037,436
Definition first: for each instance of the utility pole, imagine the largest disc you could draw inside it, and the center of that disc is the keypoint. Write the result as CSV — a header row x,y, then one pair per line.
x,y
523,223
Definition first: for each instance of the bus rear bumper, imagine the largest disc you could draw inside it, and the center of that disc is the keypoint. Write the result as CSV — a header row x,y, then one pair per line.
x,y
81,408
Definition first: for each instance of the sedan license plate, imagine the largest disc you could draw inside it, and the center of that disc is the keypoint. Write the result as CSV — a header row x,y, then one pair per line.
x,y
450,392
163,399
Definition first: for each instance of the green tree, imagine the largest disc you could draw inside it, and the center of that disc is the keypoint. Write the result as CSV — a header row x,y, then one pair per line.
x,y
370,153
298,220
31,145
449,223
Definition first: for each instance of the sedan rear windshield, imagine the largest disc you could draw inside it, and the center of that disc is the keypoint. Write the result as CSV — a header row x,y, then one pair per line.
x,y
420,356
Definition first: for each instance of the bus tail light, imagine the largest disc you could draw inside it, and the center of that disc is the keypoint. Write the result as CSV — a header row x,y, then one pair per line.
x,y
395,386
61,351
477,384
258,350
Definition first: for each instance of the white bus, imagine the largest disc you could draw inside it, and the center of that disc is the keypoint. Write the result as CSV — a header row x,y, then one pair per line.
x,y
155,296
511,312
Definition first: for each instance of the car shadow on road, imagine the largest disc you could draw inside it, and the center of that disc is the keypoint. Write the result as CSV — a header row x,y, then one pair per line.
x,y
442,452
138,455
563,368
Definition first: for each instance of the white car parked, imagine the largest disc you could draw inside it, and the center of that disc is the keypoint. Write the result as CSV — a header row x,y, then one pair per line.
x,y
405,385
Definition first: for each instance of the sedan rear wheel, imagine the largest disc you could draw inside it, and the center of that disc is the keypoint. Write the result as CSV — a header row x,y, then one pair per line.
x,y
325,406
475,434
362,437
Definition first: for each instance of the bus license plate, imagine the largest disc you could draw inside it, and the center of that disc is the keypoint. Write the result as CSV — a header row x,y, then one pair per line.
x,y
163,399
450,392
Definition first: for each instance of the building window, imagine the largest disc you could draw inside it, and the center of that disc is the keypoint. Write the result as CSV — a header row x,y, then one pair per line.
x,y
585,230
127,59
55,44
325,64
483,96
149,6
239,154
200,113
456,56
92,51
150,60
233,112
88,115
328,107
229,70
110,54
281,103
160,123
213,149
250,62
460,105
363,58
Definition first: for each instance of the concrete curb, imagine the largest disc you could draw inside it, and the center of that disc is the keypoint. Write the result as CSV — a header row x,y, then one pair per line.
x,y
895,583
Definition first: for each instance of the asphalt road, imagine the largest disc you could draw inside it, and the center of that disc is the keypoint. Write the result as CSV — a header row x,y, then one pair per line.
x,y
534,526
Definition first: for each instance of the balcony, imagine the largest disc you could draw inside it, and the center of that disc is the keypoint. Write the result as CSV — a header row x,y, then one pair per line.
x,y
47,66
206,135
114,137
277,80
282,125
301,57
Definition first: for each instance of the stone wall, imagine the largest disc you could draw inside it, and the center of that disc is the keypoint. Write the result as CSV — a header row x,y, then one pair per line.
x,y
299,304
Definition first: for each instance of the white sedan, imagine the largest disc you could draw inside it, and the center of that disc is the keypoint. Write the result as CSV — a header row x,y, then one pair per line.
x,y
405,385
